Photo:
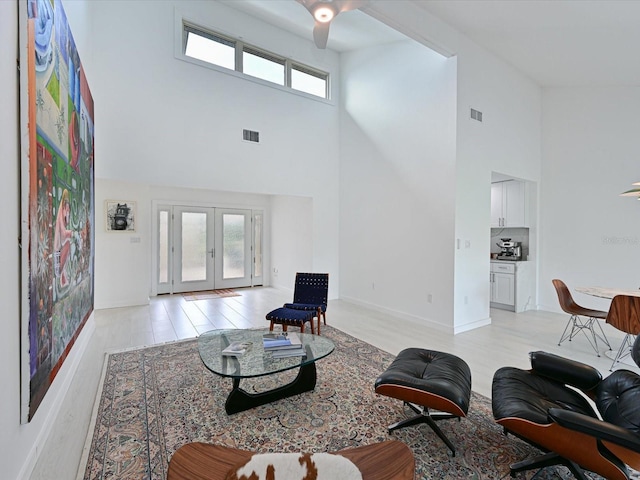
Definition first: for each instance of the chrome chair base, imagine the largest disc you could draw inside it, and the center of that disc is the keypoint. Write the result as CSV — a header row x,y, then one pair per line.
x,y
624,351
579,325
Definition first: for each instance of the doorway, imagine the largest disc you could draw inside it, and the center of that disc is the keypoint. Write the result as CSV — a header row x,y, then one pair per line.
x,y
207,248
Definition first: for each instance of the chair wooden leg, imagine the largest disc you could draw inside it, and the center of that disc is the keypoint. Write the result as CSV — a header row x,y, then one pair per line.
x,y
318,313
271,326
324,317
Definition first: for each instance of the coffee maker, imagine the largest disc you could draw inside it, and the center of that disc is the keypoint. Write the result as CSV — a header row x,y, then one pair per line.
x,y
509,250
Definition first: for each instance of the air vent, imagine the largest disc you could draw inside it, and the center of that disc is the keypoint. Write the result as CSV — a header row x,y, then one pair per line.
x,y
250,136
476,114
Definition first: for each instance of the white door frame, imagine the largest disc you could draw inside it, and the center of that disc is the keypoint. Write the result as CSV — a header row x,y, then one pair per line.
x,y
255,264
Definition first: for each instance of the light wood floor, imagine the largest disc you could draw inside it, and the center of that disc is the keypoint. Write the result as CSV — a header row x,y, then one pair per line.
x,y
506,341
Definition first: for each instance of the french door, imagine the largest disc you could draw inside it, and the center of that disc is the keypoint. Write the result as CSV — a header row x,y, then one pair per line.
x,y
205,248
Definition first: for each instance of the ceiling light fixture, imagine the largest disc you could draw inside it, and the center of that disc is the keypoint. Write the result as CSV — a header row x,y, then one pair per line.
x,y
324,13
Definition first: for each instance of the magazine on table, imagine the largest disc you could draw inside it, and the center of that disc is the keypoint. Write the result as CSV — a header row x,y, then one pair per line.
x,y
236,349
281,341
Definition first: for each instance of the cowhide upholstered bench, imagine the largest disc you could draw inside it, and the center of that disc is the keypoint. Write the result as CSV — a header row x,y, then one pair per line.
x,y
390,460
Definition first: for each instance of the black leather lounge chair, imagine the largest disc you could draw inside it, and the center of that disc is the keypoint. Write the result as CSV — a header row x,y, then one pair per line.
x,y
540,407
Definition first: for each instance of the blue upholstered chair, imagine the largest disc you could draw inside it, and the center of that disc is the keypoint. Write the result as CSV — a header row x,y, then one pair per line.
x,y
309,301
310,293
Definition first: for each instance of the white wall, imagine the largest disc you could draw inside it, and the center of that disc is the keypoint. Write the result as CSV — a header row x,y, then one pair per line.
x,y
14,440
164,121
397,178
589,234
508,141
131,252
292,240
122,267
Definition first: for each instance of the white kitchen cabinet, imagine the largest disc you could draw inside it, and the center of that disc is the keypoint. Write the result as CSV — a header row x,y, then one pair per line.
x,y
503,289
509,204
512,285
503,284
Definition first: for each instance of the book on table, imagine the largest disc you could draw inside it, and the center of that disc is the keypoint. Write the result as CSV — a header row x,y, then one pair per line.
x,y
273,342
298,351
236,349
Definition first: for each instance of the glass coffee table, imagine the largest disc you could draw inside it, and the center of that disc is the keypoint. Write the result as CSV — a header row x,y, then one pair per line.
x,y
257,362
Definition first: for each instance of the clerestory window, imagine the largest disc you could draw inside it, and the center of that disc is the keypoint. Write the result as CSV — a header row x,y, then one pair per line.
x,y
233,54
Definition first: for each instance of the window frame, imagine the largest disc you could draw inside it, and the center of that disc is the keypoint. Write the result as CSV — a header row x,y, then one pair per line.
x,y
314,72
256,52
187,27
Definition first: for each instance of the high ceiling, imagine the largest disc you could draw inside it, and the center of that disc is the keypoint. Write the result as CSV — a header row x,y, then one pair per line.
x,y
349,30
555,42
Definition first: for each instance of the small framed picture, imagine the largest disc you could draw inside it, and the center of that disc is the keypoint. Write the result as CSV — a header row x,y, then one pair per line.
x,y
120,215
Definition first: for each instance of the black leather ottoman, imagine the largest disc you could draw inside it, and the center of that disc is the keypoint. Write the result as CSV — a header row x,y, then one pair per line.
x,y
426,379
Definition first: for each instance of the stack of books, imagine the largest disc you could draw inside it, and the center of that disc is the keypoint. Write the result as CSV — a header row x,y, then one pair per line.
x,y
283,345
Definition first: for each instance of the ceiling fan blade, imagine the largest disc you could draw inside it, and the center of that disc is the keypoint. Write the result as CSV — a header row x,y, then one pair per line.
x,y
321,29
346,5
321,34
631,193
307,3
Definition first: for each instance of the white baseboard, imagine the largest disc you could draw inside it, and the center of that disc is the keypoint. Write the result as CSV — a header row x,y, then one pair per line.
x,y
119,303
398,314
51,405
92,422
472,325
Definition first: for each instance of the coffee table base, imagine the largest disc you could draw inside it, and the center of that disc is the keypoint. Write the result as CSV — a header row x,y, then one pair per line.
x,y
240,400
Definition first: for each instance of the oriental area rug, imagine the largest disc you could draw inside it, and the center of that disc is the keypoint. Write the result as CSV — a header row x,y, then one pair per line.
x,y
156,399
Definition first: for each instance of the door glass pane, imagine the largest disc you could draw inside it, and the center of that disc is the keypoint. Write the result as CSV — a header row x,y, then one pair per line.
x,y
194,246
163,247
232,246
257,245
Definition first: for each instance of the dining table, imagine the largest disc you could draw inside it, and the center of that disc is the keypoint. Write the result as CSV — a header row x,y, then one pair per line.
x,y
607,292
610,293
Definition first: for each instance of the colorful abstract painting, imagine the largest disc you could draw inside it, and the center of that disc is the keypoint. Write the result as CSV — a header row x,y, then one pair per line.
x,y
60,196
